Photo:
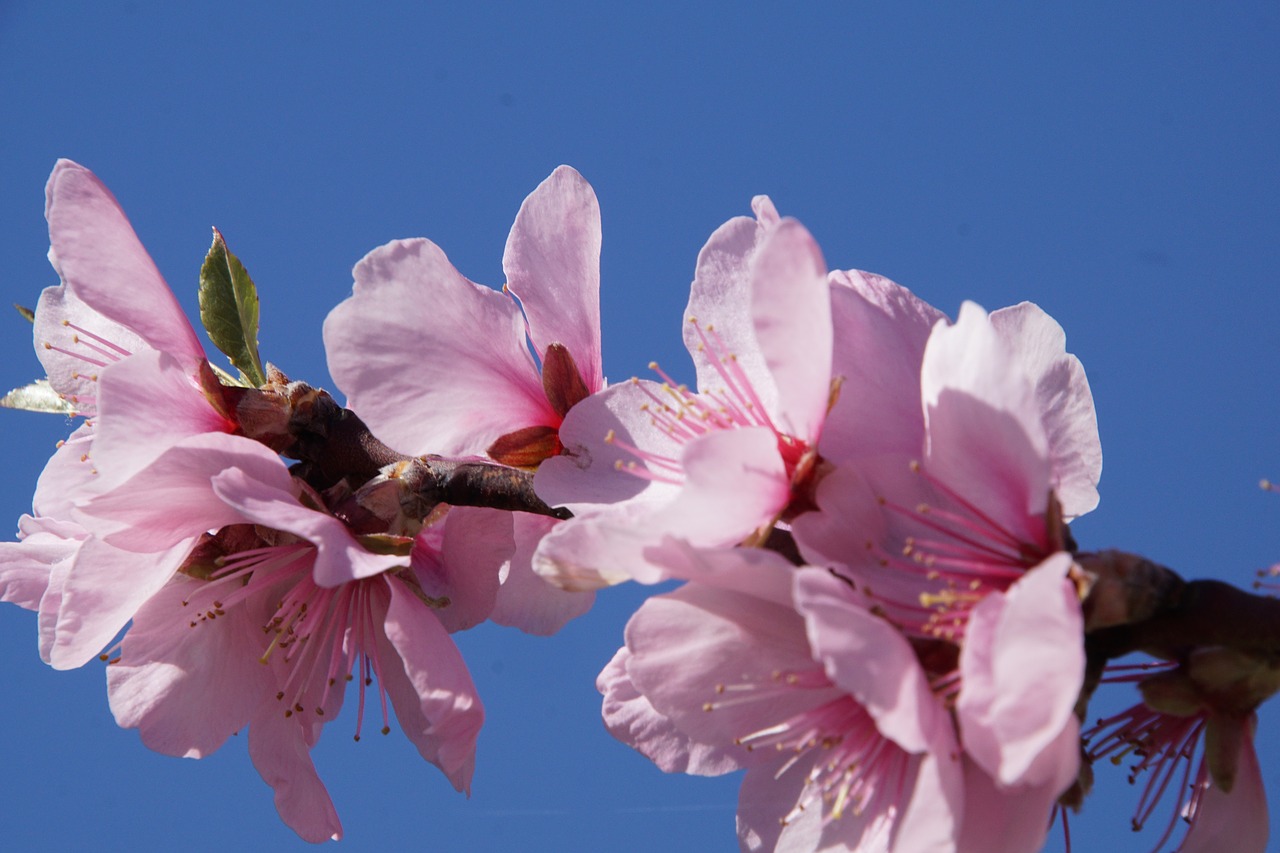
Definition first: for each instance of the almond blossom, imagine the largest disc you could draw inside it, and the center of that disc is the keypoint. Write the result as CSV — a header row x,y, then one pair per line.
x,y
755,665
281,582
117,347
714,467
435,363
970,547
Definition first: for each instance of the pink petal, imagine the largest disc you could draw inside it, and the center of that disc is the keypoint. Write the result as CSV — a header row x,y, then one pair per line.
x,y
271,502
586,473
878,352
25,565
462,559
687,642
791,313
99,258
102,591
1000,820
74,342
1022,664
68,477
848,518
528,601
173,498
734,483
1065,402
985,438
932,818
283,759
434,698
720,301
632,719
51,602
768,794
873,662
552,263
432,362
1235,821
188,685
146,404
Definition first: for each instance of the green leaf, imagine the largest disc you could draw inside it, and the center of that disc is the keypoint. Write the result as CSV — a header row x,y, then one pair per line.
x,y
39,396
229,309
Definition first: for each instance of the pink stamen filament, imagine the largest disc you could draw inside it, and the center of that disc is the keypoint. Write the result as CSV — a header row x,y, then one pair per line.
x,y
78,355
1163,743
735,378
119,350
994,528
321,632
963,531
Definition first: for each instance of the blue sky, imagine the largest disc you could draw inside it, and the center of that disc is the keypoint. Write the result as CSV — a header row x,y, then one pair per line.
x,y
1114,163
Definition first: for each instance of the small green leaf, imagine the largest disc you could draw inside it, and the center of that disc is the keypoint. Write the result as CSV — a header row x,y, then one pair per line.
x,y
39,396
27,313
229,309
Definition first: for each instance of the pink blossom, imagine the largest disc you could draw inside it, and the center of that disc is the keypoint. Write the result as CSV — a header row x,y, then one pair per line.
x,y
970,547
281,582
717,466
844,749
116,345
879,353
435,363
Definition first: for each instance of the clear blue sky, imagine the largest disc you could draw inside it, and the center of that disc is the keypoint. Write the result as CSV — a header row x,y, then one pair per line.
x,y
1115,163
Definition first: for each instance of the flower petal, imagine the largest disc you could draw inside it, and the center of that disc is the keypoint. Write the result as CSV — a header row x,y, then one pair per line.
x,y
596,434
791,315
877,353
734,483
985,437
102,591
528,601
1235,821
461,559
268,501
173,497
552,263
432,362
998,820
1021,666
99,258
146,404
188,682
873,662
1064,400
631,718
434,698
74,342
720,301
688,644
283,759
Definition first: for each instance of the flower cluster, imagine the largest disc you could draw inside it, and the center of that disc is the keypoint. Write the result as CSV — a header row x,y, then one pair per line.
x,y
882,616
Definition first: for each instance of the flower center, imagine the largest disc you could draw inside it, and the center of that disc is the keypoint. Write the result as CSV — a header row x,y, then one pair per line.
x,y
320,637
960,552
685,415
854,768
